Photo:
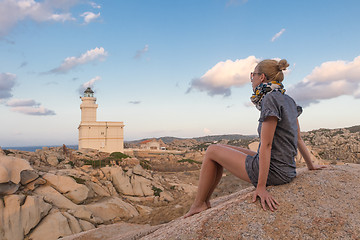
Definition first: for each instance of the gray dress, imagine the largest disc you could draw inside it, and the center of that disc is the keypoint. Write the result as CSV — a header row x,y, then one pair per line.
x,y
284,145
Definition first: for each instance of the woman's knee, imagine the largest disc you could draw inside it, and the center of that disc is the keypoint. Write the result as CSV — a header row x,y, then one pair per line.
x,y
212,149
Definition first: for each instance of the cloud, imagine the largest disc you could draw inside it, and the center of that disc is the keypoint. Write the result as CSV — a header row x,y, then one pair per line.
x,y
28,106
89,84
72,62
224,75
277,35
14,11
21,103
332,79
135,102
38,111
89,17
207,131
95,5
141,52
7,82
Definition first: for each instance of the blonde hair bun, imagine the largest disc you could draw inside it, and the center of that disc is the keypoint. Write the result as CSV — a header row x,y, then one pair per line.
x,y
283,64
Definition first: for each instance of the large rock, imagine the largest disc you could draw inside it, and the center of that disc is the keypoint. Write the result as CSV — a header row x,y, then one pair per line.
x,y
85,225
53,226
52,159
28,176
141,186
18,217
138,170
98,189
11,167
12,217
73,223
32,211
54,197
111,231
315,205
121,181
111,208
8,188
68,186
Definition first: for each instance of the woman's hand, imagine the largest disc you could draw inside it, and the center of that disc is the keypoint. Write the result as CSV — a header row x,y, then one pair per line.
x,y
265,196
317,167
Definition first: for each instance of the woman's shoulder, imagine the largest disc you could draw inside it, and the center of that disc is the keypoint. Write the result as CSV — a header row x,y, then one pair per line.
x,y
273,96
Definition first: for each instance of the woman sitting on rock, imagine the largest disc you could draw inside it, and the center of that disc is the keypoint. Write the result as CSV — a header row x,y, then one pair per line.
x,y
279,132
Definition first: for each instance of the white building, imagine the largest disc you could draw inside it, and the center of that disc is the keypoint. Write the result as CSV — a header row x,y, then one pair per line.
x,y
103,136
150,145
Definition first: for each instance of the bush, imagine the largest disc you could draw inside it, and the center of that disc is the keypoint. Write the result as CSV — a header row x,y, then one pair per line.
x,y
97,163
7,152
189,161
145,164
78,180
157,191
118,155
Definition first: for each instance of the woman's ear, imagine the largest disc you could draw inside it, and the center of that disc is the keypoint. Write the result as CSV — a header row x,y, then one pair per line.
x,y
262,77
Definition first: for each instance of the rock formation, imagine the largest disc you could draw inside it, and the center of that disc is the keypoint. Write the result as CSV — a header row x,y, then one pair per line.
x,y
342,144
57,198
315,205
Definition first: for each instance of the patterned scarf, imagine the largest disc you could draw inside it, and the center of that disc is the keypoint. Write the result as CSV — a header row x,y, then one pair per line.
x,y
263,89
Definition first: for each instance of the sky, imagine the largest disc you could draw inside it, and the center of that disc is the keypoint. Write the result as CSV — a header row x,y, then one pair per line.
x,y
171,68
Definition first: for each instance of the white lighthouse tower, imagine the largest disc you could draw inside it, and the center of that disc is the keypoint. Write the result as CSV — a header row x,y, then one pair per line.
x,y
103,136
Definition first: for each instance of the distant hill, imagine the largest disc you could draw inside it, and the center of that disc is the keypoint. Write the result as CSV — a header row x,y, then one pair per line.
x,y
212,138
354,129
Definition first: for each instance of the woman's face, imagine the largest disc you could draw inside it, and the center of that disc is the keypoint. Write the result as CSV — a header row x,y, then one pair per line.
x,y
256,78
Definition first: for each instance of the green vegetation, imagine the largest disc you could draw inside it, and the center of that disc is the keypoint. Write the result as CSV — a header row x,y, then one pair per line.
x,y
118,155
156,190
201,147
189,161
337,133
79,180
7,152
145,164
172,187
354,129
97,163
115,156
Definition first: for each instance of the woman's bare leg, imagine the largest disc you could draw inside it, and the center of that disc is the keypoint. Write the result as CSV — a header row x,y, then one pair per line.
x,y
229,158
220,169
241,149
219,174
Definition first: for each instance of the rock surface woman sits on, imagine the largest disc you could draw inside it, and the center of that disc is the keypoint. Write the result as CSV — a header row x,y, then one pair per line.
x,y
279,132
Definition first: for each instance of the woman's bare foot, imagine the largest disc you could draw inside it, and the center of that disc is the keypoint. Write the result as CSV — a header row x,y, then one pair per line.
x,y
208,204
196,208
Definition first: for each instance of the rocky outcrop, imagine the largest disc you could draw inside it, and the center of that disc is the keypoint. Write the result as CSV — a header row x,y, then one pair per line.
x,y
68,186
315,205
52,200
53,226
11,169
19,214
342,144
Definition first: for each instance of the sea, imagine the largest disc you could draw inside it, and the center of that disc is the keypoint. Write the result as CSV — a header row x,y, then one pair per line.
x,y
34,148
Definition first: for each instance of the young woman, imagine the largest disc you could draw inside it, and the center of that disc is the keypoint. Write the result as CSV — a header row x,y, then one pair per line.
x,y
279,132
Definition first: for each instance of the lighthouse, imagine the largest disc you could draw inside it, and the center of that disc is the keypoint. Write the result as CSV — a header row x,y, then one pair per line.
x,y
103,136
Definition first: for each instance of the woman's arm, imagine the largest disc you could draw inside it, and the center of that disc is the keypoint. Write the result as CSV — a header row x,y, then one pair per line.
x,y
305,152
267,135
